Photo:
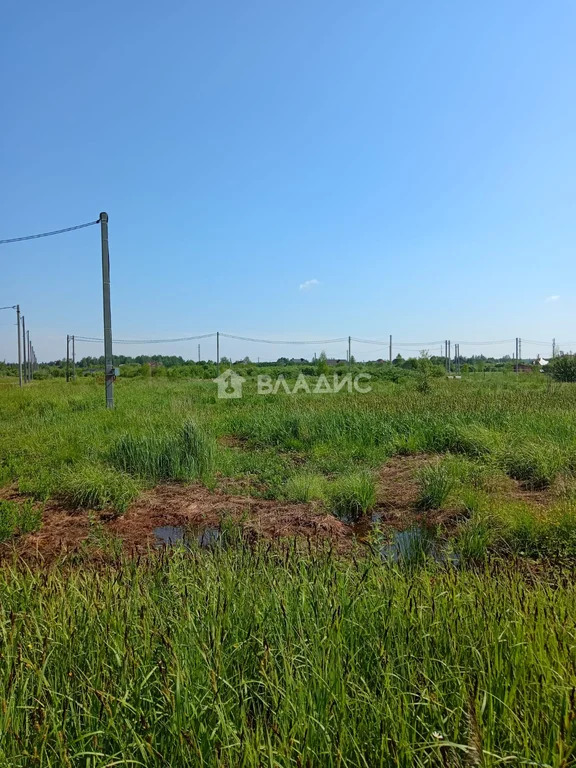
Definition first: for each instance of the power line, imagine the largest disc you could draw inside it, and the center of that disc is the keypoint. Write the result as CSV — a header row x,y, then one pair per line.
x,y
145,341
281,341
49,234
12,307
380,343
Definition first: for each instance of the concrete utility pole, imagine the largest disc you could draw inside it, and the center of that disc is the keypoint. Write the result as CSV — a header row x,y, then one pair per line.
x,y
553,348
19,345
349,352
73,358
516,354
29,355
217,353
108,360
25,355
67,357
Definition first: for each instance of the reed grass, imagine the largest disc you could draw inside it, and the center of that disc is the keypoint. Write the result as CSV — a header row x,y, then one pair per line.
x,y
270,658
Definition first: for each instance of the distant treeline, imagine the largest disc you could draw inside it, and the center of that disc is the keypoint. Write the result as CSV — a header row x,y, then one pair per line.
x,y
175,366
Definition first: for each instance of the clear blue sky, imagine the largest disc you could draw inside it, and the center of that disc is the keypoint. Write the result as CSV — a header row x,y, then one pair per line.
x,y
416,159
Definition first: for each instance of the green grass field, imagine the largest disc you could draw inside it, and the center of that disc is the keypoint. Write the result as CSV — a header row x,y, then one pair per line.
x,y
273,655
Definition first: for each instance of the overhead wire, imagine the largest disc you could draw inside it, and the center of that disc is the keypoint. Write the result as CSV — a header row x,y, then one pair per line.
x,y
49,234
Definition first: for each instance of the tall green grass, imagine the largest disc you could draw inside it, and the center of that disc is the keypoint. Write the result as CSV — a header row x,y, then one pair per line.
x,y
268,658
183,453
16,518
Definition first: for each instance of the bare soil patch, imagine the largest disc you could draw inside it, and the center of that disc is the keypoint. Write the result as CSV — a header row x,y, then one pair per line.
x,y
64,530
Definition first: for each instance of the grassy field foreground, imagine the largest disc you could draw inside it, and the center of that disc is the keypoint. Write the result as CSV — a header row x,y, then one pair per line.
x,y
269,654
239,657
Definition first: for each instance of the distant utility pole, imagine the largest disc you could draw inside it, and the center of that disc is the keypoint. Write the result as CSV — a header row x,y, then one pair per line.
x,y
29,355
217,353
108,359
457,357
73,358
520,349
25,357
553,348
19,345
349,352
67,357
198,352
516,354
390,353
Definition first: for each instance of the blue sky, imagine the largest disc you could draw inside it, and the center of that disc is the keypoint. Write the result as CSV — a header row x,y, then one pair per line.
x,y
417,160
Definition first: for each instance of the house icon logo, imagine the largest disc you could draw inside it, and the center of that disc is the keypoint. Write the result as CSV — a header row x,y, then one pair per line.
x,y
229,384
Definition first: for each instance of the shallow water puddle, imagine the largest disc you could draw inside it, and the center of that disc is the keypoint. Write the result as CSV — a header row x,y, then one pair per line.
x,y
412,544
186,536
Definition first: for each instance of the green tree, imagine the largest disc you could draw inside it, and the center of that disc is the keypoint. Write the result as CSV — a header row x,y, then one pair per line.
x,y
563,368
322,365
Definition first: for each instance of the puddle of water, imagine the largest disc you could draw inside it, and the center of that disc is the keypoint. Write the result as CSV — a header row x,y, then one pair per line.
x,y
411,545
186,536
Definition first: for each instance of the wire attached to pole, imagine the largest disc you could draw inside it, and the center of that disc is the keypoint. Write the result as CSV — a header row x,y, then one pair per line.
x,y
49,234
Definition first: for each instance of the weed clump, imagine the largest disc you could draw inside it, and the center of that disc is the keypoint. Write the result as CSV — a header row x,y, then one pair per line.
x,y
96,486
436,484
352,495
183,454
305,488
532,464
16,519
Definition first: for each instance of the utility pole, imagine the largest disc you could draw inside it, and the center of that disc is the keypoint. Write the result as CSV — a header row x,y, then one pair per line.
x,y
198,352
449,355
516,354
29,355
520,349
108,360
24,349
19,345
67,358
350,352
73,358
390,353
217,353
553,348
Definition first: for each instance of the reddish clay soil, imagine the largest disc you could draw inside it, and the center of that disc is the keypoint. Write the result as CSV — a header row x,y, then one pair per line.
x,y
64,530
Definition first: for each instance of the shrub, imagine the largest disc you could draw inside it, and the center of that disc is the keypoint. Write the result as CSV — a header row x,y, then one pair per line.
x,y
436,484
563,368
352,495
